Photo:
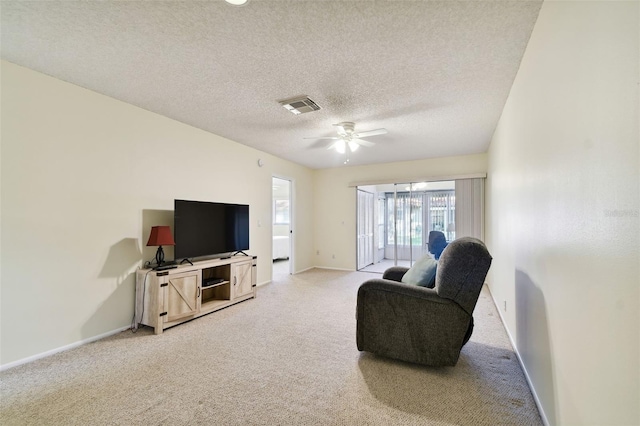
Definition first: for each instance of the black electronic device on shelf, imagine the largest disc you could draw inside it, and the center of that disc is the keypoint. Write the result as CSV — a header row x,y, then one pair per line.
x,y
165,267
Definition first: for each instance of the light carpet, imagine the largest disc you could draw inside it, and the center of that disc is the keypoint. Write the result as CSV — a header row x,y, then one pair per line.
x,y
287,357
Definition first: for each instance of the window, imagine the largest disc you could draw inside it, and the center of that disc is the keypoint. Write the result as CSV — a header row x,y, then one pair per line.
x,y
418,213
441,212
281,212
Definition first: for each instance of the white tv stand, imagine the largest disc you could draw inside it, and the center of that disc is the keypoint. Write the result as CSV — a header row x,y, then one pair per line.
x,y
173,296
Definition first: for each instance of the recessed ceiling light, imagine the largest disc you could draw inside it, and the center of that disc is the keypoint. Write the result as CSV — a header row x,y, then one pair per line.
x,y
237,2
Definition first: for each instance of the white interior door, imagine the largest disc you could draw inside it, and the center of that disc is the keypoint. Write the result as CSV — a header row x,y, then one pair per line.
x,y
282,226
365,226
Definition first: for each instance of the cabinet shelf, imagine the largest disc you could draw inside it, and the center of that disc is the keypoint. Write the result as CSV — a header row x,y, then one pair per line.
x,y
168,298
221,291
205,287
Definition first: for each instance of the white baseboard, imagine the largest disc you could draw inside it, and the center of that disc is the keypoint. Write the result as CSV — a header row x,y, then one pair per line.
x,y
61,349
317,267
333,269
545,421
308,269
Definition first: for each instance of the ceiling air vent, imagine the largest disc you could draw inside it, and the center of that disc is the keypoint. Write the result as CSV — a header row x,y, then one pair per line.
x,y
300,105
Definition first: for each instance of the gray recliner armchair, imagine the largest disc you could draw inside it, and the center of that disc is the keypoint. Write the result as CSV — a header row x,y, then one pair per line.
x,y
419,324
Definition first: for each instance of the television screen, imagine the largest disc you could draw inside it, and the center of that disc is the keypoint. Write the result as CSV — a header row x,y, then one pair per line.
x,y
208,229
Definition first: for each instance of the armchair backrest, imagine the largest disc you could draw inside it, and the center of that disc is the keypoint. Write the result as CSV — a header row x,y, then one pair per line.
x,y
462,268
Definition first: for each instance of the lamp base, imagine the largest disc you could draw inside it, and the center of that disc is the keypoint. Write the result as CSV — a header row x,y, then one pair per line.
x,y
160,263
159,256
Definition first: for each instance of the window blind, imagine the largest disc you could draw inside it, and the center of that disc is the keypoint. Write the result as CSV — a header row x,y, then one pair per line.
x,y
470,208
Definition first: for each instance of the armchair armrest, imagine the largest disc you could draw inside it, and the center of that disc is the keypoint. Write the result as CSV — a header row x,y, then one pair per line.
x,y
395,273
409,323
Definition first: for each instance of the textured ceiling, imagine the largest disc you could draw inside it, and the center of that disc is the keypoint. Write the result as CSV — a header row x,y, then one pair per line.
x,y
436,75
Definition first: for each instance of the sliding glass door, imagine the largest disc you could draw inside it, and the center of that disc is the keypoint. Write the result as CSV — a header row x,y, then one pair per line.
x,y
418,208
406,213
404,225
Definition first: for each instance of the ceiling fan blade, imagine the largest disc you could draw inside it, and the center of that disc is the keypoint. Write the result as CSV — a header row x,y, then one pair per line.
x,y
364,143
370,133
324,137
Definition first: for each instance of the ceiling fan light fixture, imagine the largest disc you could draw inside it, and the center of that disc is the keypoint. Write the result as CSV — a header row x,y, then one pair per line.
x,y
345,128
347,137
237,2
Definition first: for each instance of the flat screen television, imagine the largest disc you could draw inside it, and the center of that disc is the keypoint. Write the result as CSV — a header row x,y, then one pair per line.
x,y
209,229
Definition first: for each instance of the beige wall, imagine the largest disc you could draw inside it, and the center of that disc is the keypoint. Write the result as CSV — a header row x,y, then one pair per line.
x,y
84,177
335,202
563,212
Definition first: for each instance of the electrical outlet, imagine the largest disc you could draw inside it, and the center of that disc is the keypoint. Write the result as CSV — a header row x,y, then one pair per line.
x,y
333,256
504,304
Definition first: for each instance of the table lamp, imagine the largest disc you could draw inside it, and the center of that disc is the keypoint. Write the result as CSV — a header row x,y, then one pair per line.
x,y
160,236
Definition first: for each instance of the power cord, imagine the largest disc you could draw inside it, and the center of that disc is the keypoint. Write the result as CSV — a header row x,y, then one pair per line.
x,y
134,321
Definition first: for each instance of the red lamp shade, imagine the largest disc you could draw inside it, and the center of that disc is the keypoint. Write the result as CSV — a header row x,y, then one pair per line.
x,y
161,236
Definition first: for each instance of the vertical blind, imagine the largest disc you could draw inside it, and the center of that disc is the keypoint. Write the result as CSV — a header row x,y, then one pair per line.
x,y
470,208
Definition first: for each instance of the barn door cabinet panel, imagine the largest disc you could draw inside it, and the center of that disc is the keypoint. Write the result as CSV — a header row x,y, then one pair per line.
x,y
181,295
242,282
171,297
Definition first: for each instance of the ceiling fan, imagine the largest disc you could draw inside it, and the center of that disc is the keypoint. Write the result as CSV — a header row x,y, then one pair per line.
x,y
347,137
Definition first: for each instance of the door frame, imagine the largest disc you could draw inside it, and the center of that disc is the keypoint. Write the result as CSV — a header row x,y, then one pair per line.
x,y
291,221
